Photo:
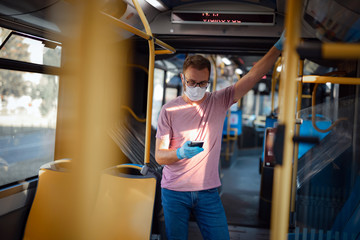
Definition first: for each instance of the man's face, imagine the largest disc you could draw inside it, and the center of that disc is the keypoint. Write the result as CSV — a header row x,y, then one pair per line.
x,y
194,76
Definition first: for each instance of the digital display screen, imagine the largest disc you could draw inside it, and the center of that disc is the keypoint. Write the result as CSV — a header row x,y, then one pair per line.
x,y
254,18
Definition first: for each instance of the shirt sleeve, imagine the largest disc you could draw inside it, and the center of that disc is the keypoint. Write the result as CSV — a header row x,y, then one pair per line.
x,y
164,127
225,96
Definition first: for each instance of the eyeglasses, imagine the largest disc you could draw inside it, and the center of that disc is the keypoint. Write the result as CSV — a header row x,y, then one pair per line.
x,y
192,83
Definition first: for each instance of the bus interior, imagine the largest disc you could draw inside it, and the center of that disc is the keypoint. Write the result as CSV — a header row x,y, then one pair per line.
x,y
82,85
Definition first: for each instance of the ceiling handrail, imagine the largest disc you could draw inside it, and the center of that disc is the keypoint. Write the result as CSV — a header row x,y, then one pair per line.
x,y
137,32
328,79
329,50
152,52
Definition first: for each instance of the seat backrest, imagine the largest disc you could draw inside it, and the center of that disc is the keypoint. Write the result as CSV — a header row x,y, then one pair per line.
x,y
348,219
125,204
123,209
50,212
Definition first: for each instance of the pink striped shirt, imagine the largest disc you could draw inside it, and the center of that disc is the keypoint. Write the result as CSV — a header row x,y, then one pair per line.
x,y
180,122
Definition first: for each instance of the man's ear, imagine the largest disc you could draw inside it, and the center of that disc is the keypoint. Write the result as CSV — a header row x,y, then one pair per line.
x,y
183,80
182,77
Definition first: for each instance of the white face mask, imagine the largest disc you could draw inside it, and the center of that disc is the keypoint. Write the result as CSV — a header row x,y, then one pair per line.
x,y
195,93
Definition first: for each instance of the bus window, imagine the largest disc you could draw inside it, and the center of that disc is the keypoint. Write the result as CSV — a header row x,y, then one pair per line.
x,y
4,34
158,95
255,104
166,86
170,94
28,110
172,86
26,49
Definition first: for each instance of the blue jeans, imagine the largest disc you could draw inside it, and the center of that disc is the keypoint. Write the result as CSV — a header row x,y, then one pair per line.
x,y
206,207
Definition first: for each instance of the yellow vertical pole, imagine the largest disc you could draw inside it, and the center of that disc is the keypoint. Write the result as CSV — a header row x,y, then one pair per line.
x,y
91,89
150,81
296,147
282,173
149,101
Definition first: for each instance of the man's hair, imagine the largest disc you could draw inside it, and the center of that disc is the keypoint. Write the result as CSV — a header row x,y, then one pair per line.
x,y
198,62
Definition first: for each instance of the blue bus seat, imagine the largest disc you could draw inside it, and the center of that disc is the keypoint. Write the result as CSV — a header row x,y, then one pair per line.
x,y
348,219
235,123
307,130
346,224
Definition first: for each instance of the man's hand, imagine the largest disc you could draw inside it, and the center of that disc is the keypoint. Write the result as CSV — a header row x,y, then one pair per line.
x,y
188,152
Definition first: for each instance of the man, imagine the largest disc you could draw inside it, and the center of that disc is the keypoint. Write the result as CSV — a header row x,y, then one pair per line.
x,y
190,175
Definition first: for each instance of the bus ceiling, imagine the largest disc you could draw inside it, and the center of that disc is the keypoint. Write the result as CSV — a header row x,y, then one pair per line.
x,y
54,18
239,24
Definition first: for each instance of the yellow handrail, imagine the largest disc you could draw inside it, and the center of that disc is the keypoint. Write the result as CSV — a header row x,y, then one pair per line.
x,y
297,132
282,173
126,107
147,36
151,41
313,114
128,166
140,67
333,50
161,52
150,81
133,114
341,50
327,79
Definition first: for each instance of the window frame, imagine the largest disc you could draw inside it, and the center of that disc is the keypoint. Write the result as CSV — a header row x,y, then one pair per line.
x,y
22,66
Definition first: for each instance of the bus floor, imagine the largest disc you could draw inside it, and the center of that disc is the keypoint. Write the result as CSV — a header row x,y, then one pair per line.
x,y
240,193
